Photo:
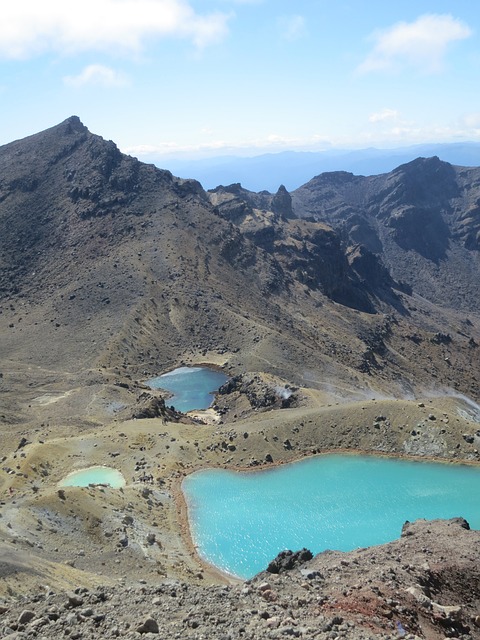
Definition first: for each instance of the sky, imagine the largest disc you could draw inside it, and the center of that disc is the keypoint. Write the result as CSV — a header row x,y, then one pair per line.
x,y
199,78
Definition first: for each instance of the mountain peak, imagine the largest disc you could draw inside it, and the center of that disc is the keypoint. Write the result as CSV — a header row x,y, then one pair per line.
x,y
422,162
73,123
51,137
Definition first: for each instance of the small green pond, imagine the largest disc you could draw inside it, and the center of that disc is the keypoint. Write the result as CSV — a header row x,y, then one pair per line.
x,y
94,475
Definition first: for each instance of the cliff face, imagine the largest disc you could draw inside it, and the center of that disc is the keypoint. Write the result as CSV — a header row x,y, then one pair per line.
x,y
423,219
305,251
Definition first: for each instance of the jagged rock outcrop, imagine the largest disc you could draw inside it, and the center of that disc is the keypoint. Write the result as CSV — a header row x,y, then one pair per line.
x,y
306,251
261,395
288,560
282,203
154,407
312,252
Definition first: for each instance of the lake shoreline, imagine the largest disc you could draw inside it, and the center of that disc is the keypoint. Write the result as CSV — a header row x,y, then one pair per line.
x,y
189,388
182,506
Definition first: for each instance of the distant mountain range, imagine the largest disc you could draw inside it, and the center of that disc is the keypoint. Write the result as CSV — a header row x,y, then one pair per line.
x,y
294,168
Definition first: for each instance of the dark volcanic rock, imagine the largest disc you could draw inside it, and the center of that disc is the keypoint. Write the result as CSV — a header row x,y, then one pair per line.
x,y
282,203
260,395
423,217
54,180
288,560
154,407
305,251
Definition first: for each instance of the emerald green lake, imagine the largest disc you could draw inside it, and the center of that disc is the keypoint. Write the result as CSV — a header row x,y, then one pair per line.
x,y
192,387
94,475
240,521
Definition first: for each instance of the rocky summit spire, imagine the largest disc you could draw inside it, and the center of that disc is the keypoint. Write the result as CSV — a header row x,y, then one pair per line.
x,y
282,203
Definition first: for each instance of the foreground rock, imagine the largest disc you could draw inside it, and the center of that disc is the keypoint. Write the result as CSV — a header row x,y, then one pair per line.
x,y
425,584
287,560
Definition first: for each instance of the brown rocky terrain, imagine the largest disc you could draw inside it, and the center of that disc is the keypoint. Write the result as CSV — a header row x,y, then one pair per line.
x,y
345,314
425,584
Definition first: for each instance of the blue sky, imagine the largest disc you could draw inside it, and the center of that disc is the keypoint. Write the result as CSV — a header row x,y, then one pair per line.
x,y
191,78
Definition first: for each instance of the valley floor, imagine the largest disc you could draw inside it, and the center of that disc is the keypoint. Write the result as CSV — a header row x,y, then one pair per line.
x,y
136,538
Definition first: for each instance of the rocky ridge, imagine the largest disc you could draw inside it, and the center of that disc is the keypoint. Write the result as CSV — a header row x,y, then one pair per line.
x,y
422,219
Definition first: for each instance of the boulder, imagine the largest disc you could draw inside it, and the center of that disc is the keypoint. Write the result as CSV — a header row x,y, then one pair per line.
x,y
287,560
150,625
26,616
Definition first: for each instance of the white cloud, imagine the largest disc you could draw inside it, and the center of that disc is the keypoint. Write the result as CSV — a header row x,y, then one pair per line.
x,y
422,44
31,27
99,75
384,115
292,27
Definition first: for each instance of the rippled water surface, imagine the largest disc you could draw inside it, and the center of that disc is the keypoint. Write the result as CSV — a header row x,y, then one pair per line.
x,y
240,521
192,387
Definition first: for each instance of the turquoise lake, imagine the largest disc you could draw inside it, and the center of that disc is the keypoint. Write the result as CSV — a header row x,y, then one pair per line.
x,y
240,521
94,475
192,387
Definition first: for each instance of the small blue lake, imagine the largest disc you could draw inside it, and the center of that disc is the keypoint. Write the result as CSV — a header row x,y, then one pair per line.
x,y
192,387
240,521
